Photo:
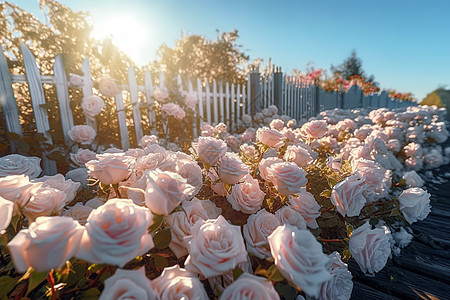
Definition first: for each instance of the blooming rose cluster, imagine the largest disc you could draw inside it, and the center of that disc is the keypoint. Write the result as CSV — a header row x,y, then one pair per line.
x,y
237,204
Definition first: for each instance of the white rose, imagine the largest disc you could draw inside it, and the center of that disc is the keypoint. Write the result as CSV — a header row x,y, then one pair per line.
x,y
92,105
250,287
347,196
176,283
165,190
287,215
116,232
246,196
75,80
414,204
258,227
44,201
15,164
412,179
108,86
160,93
58,182
83,156
128,284
78,175
79,212
307,206
340,286
370,247
47,244
215,247
6,213
299,258
181,222
82,134
402,237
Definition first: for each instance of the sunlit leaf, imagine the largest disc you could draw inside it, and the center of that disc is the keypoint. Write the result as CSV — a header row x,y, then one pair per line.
x,y
237,272
162,238
7,283
156,224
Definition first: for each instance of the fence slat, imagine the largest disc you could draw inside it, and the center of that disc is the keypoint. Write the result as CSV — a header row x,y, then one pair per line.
x,y
238,105
38,99
244,100
227,104
148,94
232,102
135,102
8,101
216,112
87,88
208,103
62,93
221,95
124,137
200,101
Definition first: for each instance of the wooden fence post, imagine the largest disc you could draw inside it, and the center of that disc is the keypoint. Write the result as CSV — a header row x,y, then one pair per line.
x,y
278,90
255,92
8,102
38,99
135,102
87,89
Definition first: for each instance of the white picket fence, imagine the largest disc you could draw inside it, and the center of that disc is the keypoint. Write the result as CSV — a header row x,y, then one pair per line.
x,y
217,101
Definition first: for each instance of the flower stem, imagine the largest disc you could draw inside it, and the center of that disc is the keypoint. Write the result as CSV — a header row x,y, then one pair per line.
x,y
51,281
330,240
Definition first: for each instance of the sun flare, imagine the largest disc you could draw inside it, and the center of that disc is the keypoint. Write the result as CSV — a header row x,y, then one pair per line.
x,y
126,32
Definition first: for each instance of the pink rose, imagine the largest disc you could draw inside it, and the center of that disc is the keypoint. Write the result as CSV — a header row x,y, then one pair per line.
x,y
210,150
135,152
16,188
190,170
15,164
248,150
291,123
307,206
231,170
414,204
298,155
265,163
116,232
218,188
78,175
82,134
79,212
414,163
287,177
173,109
92,105
108,86
347,196
248,286
246,196
370,247
247,119
413,150
258,227
346,125
83,156
270,137
148,140
58,182
128,284
165,190
215,247
249,135
299,258
288,215
181,222
276,124
394,145
6,213
273,110
334,163
177,283
110,168
191,100
340,286
47,244
44,201
315,129
163,160
160,93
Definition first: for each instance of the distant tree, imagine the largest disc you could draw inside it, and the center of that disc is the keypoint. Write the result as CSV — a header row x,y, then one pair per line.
x,y
350,67
196,56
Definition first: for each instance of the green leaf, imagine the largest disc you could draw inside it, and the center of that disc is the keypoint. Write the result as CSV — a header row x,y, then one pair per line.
x,y
346,255
395,212
326,193
15,221
7,283
39,137
285,290
34,278
237,272
91,294
160,262
162,238
56,155
331,181
94,268
24,146
78,272
274,274
373,221
156,224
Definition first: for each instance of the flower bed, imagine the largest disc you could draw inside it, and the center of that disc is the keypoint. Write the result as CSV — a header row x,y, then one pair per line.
x,y
274,211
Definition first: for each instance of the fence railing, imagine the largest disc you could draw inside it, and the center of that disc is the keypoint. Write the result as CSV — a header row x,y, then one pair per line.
x,y
217,101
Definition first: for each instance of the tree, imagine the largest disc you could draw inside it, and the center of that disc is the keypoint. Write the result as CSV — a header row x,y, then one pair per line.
x,y
195,56
350,67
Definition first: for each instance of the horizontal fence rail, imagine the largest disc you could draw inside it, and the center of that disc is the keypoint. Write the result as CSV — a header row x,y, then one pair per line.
x,y
217,101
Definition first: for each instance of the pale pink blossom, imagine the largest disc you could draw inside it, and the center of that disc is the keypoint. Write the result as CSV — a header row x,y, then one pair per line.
x,y
108,86
92,105
265,164
160,93
288,178
288,215
246,196
347,196
191,100
6,213
231,170
298,155
270,137
82,134
315,129
79,212
110,168
307,206
210,150
44,201
83,156
250,287
414,204
16,164
340,286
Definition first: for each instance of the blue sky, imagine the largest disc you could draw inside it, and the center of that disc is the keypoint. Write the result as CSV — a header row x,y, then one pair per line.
x,y
405,44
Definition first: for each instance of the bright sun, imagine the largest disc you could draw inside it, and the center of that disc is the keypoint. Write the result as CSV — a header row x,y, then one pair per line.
x,y
126,32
